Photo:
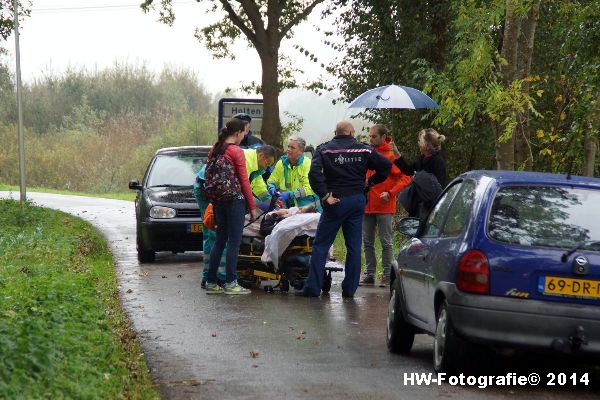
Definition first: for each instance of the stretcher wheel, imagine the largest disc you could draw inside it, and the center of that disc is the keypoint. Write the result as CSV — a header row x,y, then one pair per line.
x,y
268,288
327,283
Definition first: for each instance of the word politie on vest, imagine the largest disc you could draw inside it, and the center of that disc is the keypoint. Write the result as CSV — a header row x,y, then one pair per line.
x,y
341,159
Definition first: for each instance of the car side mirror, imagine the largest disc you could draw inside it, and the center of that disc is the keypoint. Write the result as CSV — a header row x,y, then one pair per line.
x,y
409,226
135,185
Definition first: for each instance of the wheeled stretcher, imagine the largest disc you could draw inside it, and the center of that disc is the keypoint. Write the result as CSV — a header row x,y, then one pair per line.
x,y
283,256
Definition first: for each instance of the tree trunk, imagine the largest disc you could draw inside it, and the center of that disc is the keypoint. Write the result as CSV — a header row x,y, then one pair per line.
x,y
590,147
523,154
505,151
271,123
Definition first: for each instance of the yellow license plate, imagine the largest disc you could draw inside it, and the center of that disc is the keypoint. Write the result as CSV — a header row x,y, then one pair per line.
x,y
570,287
195,228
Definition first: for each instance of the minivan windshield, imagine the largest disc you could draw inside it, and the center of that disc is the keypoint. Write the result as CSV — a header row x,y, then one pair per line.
x,y
548,216
175,170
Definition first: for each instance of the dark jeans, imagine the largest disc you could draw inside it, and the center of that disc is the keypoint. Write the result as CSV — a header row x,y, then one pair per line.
x,y
229,218
347,214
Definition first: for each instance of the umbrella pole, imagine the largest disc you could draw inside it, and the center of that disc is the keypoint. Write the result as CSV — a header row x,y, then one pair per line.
x,y
395,117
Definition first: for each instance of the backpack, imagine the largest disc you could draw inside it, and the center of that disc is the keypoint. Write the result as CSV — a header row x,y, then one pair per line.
x,y
220,180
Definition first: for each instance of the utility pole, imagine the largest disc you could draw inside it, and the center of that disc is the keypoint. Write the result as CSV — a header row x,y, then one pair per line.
x,y
20,106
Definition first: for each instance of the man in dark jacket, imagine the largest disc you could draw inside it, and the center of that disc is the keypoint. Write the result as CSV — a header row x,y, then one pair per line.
x,y
337,175
250,141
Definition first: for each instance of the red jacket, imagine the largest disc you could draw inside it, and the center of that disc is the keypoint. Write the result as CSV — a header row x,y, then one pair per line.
x,y
236,157
394,184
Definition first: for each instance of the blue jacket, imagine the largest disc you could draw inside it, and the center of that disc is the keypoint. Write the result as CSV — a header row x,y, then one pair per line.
x,y
340,166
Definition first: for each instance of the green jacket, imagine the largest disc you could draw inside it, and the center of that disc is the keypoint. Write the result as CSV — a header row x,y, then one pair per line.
x,y
257,183
289,178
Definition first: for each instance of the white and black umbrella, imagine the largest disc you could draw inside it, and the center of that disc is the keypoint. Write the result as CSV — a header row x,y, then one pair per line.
x,y
393,96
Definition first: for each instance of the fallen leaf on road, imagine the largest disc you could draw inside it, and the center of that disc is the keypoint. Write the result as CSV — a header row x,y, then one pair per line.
x,y
254,354
129,291
214,335
254,366
164,276
180,276
190,382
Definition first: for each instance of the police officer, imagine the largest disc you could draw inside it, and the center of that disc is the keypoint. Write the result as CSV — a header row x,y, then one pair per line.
x,y
337,175
250,141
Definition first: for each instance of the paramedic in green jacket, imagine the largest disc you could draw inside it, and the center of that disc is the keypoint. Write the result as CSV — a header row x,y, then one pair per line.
x,y
290,176
257,162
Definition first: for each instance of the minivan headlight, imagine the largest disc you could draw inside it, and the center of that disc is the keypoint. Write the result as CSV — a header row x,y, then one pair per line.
x,y
162,212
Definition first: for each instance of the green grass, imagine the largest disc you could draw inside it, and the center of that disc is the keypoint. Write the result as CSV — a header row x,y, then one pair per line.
x,y
63,333
118,196
339,250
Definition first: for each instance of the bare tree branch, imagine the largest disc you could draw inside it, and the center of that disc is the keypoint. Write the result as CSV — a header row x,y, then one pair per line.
x,y
298,18
253,12
237,21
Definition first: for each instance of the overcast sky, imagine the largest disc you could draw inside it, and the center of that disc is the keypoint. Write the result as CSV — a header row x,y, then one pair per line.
x,y
95,34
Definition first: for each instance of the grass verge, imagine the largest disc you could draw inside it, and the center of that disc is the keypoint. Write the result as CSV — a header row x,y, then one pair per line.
x,y
118,196
339,250
63,333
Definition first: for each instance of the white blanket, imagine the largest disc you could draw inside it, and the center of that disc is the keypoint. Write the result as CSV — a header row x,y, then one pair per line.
x,y
285,231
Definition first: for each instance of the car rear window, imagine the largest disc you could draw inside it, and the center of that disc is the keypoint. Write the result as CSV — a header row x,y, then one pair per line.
x,y
547,216
175,169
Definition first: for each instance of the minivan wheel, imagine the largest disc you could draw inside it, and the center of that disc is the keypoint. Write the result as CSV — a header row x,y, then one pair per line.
x,y
144,256
400,334
449,350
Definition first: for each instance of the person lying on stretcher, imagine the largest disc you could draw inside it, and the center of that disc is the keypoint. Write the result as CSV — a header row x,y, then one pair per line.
x,y
265,223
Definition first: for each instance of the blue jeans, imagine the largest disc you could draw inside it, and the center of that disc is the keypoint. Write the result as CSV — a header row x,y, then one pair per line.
x,y
229,218
209,237
347,214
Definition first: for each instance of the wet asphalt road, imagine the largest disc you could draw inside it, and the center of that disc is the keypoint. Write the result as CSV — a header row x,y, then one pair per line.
x,y
267,346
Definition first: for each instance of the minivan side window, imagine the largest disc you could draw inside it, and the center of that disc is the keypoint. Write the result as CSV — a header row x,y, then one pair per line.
x,y
436,218
459,210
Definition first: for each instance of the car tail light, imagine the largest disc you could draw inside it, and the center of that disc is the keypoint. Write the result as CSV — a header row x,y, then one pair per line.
x,y
473,273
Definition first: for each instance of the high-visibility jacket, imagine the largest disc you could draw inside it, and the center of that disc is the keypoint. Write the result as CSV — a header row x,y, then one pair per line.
x,y
287,177
257,183
393,184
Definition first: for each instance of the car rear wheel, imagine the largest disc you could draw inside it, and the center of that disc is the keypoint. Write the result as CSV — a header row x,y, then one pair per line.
x,y
400,334
144,256
449,350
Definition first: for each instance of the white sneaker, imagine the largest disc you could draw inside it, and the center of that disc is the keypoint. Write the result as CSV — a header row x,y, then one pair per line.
x,y
234,288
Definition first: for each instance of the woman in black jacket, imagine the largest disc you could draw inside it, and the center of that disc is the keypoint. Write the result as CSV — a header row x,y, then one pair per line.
x,y
430,160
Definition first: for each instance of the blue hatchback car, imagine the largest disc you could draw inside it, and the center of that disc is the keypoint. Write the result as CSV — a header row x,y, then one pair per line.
x,y
509,260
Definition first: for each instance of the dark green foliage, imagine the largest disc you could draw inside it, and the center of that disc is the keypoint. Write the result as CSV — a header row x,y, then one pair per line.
x,y
451,49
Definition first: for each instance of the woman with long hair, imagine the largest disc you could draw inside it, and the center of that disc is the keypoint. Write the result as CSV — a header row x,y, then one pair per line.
x,y
430,160
230,199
